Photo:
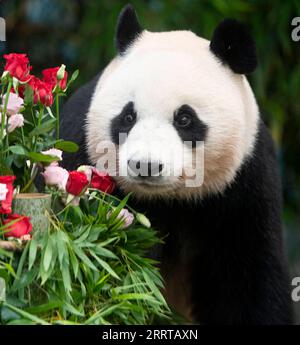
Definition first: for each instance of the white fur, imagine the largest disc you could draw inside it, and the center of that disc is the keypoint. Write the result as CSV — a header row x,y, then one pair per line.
x,y
159,73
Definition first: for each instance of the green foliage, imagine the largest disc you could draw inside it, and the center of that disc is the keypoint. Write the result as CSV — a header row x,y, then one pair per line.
x,y
85,269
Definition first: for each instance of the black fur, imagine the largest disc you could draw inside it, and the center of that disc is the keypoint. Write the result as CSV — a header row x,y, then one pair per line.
x,y
195,131
128,29
233,45
73,121
232,242
120,125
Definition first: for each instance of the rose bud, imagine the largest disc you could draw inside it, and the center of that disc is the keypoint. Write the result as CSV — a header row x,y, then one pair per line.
x,y
77,182
102,181
5,203
56,176
20,226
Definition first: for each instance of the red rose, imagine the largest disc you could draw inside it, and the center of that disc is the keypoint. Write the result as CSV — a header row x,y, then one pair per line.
x,y
5,205
102,181
18,66
50,77
21,226
42,91
77,182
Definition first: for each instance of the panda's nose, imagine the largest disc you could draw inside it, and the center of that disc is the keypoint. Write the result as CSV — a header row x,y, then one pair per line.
x,y
144,169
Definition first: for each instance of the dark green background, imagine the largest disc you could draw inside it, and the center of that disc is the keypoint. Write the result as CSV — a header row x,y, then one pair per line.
x,y
80,34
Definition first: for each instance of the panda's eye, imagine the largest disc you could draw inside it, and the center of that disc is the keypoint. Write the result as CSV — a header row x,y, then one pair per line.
x,y
183,120
129,118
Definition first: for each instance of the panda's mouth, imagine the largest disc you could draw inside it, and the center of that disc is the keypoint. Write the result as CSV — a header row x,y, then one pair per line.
x,y
152,184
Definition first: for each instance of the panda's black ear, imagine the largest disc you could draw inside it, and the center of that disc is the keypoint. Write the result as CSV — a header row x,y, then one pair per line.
x,y
233,45
128,28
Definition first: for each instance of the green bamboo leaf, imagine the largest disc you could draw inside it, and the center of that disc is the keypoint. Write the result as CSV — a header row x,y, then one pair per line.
x,y
104,252
48,255
66,276
32,253
74,262
43,308
105,265
84,258
26,315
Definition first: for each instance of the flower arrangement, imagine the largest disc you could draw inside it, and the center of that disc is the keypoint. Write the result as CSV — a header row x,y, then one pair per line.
x,y
86,262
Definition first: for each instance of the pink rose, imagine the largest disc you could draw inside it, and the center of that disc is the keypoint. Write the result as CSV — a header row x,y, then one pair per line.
x,y
56,176
126,216
14,104
54,152
15,121
3,191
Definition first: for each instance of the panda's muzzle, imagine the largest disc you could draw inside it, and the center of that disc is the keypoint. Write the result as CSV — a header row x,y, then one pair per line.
x,y
145,170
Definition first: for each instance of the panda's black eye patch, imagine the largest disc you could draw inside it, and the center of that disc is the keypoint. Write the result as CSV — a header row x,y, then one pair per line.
x,y
123,122
188,125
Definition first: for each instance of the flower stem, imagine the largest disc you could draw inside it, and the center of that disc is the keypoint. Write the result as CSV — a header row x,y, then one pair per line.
x,y
57,116
3,114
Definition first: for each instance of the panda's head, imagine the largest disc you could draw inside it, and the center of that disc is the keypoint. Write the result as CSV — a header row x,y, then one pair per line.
x,y
173,114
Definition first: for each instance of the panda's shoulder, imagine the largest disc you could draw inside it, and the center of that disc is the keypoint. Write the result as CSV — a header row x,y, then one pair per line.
x,y
77,106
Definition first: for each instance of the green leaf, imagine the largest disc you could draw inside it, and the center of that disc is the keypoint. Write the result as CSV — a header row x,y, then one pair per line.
x,y
84,258
10,269
105,265
18,150
46,127
32,252
137,296
104,252
26,315
43,308
39,157
74,76
4,168
74,262
66,276
67,146
48,255
2,290
28,94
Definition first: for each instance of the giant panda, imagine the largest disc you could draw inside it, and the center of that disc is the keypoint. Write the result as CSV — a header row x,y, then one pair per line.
x,y
223,259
